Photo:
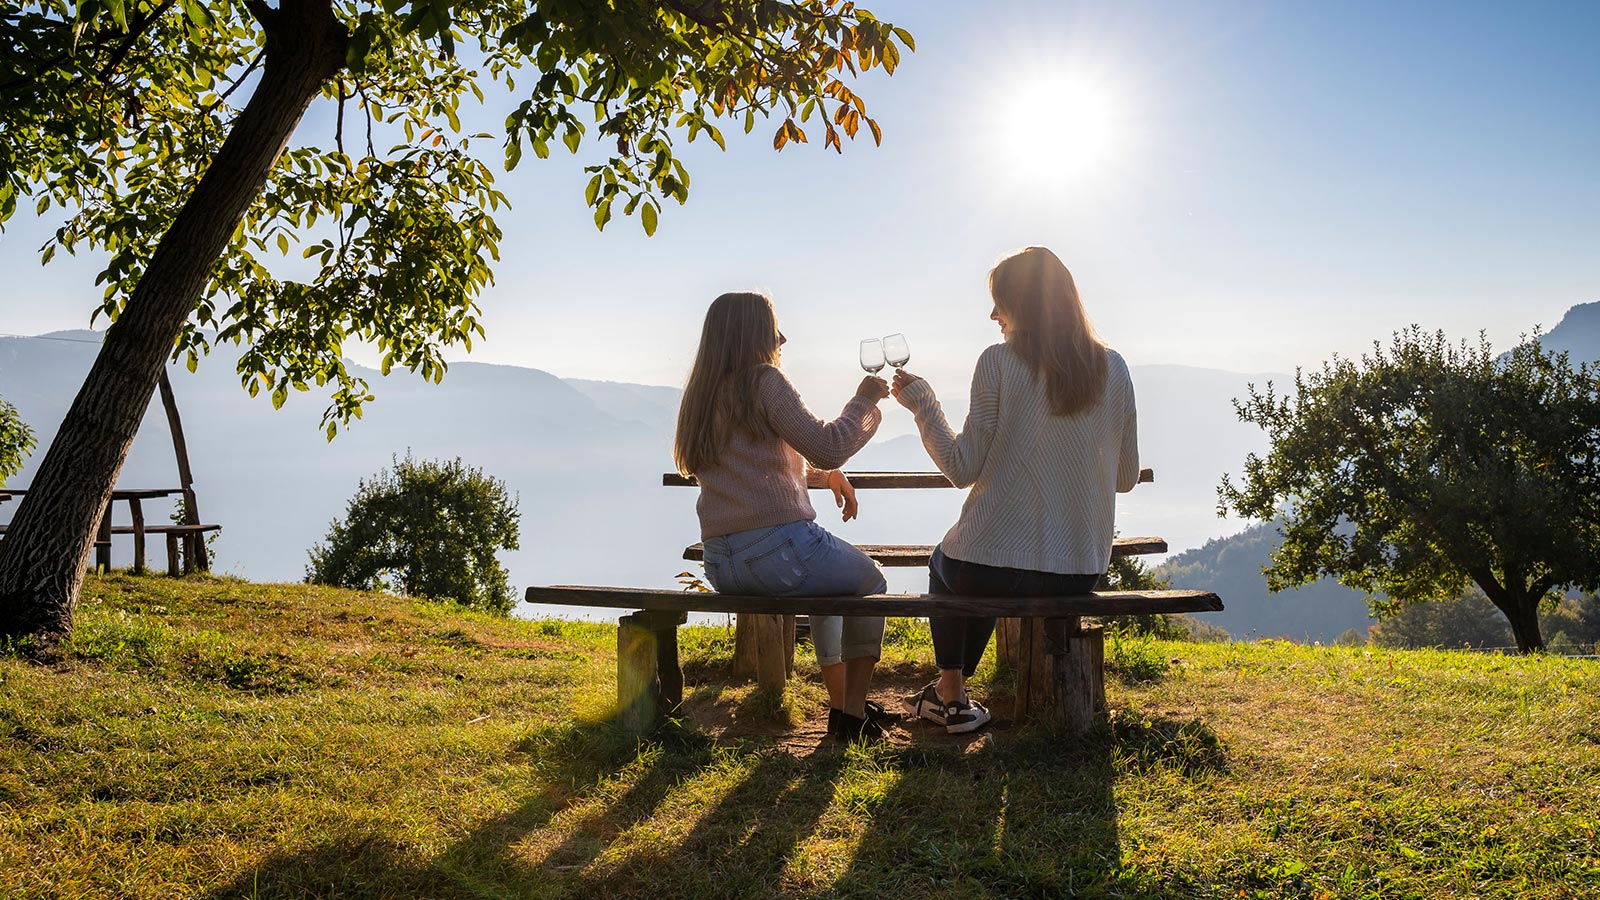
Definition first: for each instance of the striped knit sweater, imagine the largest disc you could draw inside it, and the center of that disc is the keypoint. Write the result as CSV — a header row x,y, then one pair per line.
x,y
1043,486
757,483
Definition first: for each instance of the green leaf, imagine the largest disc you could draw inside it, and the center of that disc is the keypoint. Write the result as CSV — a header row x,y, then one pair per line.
x,y
572,139
647,218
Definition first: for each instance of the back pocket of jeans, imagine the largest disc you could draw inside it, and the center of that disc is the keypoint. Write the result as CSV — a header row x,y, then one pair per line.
x,y
778,571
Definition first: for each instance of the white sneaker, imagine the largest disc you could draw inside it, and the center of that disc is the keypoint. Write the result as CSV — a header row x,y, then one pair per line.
x,y
925,704
961,717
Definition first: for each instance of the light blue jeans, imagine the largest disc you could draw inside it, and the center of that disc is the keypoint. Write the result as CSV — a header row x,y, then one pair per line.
x,y
801,559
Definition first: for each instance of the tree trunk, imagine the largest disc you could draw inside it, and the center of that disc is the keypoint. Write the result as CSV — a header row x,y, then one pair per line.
x,y
47,545
1523,614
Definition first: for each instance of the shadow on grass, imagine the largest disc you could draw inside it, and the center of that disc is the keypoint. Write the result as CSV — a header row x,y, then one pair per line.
x,y
1034,814
586,759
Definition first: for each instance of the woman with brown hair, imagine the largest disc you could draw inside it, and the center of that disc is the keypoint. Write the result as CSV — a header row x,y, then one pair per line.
x,y
1050,438
745,435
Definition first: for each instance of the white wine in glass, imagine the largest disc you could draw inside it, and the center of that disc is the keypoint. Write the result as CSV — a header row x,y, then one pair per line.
x,y
872,355
896,350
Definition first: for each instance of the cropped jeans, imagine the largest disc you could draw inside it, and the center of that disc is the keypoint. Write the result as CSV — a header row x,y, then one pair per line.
x,y
801,559
959,641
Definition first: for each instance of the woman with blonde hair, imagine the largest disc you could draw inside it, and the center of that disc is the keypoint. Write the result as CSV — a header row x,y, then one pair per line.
x,y
1050,439
745,435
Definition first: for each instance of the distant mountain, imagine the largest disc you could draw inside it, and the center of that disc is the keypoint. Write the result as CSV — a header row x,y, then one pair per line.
x,y
1578,333
1231,568
586,458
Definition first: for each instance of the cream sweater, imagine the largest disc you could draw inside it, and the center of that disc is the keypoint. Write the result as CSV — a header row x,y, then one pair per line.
x,y
1043,486
757,483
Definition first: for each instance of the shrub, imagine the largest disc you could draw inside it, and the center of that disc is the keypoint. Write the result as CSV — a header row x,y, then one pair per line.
x,y
426,529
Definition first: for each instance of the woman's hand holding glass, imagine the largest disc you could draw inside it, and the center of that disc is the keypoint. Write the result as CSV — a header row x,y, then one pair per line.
x,y
902,380
844,494
873,388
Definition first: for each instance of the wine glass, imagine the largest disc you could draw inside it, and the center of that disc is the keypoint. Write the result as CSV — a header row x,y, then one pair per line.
x,y
872,355
896,350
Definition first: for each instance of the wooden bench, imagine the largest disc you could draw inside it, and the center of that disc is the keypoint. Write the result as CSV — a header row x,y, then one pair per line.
x,y
174,534
1061,673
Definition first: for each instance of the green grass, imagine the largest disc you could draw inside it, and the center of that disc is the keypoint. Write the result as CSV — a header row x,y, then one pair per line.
x,y
211,738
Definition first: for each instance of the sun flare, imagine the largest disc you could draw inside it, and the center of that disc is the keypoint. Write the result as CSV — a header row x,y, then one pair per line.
x,y
1057,128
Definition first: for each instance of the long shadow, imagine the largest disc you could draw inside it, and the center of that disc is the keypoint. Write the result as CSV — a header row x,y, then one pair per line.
x,y
361,864
741,846
1035,815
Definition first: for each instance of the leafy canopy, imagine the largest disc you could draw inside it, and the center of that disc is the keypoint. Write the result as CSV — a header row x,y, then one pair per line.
x,y
382,228
1429,464
425,529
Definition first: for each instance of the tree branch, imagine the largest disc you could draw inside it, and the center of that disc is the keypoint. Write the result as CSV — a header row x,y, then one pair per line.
x,y
707,13
135,32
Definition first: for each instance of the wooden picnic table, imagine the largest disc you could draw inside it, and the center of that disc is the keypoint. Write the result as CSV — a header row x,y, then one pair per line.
x,y
1058,660
135,498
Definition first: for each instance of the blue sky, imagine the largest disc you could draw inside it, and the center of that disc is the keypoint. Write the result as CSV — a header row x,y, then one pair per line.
x,y
1276,182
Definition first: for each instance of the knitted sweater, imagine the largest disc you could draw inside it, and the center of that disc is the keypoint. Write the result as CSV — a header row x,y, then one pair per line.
x,y
762,482
1043,486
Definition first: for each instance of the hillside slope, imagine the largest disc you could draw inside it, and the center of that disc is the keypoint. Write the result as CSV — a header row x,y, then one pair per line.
x,y
1231,568
209,738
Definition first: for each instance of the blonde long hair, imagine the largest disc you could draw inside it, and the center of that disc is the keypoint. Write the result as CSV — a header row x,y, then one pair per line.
x,y
739,339
1050,330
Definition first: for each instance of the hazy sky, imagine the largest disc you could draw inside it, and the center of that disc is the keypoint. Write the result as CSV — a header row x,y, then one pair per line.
x,y
1248,186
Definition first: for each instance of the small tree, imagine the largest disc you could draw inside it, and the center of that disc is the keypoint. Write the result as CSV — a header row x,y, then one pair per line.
x,y
1429,465
16,441
426,529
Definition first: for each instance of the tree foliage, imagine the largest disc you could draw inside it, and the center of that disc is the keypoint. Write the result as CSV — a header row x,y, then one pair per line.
x,y
425,529
113,109
128,115
1428,465
16,441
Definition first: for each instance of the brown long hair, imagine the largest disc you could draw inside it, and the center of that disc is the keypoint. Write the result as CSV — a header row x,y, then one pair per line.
x,y
739,338
1050,330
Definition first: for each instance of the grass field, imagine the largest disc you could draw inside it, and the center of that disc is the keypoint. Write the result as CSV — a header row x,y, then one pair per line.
x,y
211,738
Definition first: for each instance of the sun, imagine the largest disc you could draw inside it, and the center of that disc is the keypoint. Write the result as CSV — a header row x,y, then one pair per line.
x,y
1056,128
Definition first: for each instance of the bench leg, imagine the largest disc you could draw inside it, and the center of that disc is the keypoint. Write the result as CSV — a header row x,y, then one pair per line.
x,y
102,542
172,556
637,711
788,645
745,652
649,679
772,658
136,509
1077,668
757,637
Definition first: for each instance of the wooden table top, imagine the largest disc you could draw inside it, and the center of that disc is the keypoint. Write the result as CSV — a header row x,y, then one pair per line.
x,y
876,480
116,493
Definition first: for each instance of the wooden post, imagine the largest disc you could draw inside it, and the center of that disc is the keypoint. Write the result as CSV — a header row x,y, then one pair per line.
x,y
1007,635
669,674
637,709
172,556
771,672
195,543
1060,672
137,510
788,645
102,541
744,646
1078,658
